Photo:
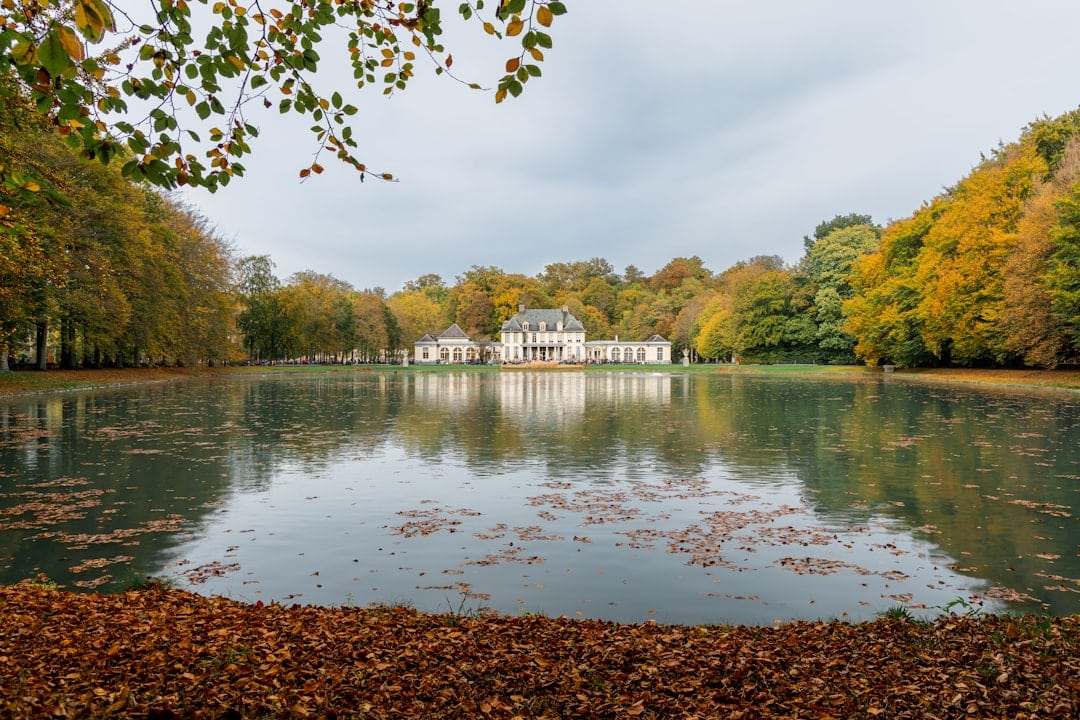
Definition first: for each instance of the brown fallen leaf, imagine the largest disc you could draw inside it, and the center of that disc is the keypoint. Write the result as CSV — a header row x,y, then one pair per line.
x,y
163,653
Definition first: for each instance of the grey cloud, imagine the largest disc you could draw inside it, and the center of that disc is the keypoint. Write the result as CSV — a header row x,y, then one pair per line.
x,y
717,129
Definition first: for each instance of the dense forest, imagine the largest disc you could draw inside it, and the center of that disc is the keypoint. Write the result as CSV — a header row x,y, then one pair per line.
x,y
96,271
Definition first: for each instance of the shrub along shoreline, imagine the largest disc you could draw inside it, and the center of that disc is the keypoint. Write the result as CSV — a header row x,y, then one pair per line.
x,y
165,653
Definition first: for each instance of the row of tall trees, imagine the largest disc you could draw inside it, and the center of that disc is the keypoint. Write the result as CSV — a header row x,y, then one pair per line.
x,y
96,266
988,272
315,317
97,270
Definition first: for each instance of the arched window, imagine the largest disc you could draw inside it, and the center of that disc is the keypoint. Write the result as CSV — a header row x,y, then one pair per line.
x,y
444,354
457,355
641,354
615,354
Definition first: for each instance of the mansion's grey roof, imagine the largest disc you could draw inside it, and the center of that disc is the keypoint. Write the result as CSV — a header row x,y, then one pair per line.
x,y
551,318
454,332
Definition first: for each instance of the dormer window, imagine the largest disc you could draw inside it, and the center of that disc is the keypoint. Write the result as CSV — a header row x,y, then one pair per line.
x,y
543,326
525,326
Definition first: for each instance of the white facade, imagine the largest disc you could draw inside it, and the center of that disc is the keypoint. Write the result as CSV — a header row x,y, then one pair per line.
x,y
655,350
538,336
542,336
451,347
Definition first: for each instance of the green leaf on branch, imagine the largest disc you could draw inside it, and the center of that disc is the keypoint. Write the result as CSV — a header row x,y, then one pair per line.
x,y
53,57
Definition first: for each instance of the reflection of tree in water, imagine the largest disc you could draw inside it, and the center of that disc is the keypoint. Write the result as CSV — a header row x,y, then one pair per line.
x,y
118,475
452,414
310,421
104,486
984,476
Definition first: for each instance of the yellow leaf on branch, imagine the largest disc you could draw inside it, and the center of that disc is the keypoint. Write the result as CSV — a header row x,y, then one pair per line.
x,y
70,43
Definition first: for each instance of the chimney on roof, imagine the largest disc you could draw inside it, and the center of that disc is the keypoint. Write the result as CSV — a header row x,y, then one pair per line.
x,y
521,307
566,308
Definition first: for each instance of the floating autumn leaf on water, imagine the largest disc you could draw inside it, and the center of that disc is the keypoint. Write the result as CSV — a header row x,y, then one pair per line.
x,y
430,521
202,573
98,563
1050,509
998,592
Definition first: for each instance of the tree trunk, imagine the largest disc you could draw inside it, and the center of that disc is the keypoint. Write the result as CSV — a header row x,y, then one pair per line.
x,y
4,367
67,344
41,344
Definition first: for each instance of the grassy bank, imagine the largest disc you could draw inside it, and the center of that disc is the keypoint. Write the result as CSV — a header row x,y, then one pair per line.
x,y
1047,379
160,653
27,382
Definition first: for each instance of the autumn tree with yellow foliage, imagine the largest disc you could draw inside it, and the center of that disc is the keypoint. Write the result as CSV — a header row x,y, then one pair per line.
x,y
985,273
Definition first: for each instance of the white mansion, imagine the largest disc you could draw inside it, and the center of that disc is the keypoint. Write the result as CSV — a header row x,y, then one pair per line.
x,y
538,335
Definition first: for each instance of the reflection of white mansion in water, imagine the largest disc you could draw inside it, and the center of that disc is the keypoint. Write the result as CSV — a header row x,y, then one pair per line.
x,y
538,335
530,398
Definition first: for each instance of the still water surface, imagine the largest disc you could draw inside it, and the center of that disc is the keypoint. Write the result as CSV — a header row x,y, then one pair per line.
x,y
624,496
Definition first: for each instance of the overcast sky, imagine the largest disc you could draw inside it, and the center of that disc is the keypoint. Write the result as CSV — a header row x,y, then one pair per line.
x,y
714,128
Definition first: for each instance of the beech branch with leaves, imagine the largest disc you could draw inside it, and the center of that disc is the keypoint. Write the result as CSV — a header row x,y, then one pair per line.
x,y
174,105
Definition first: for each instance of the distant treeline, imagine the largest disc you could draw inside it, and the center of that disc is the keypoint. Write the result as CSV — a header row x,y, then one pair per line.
x,y
95,270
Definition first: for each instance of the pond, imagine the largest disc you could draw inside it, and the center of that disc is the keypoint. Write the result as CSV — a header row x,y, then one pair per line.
x,y
626,496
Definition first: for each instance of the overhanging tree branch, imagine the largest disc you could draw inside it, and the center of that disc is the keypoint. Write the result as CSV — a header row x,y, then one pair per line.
x,y
251,47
